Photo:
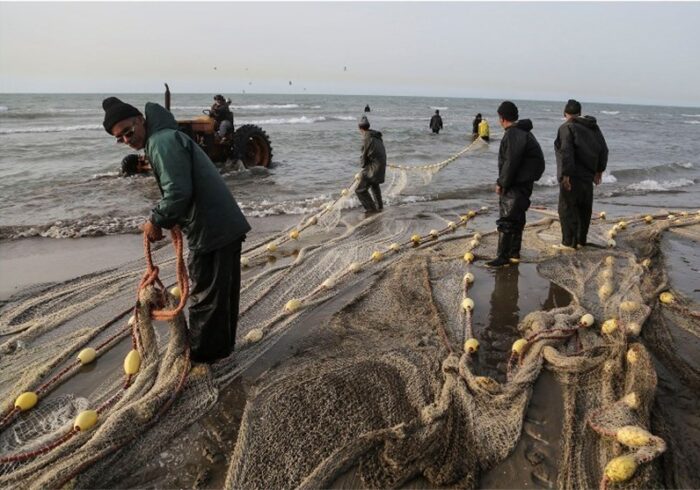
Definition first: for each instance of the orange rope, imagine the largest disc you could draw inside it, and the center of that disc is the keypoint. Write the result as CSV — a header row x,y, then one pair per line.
x,y
151,275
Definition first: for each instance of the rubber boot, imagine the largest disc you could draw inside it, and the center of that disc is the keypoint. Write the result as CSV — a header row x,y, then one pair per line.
x,y
504,243
377,193
516,243
366,201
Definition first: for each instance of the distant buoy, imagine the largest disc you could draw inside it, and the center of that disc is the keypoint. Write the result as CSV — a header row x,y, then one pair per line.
x,y
519,346
132,362
394,247
85,420
469,257
586,320
26,400
468,278
294,234
377,256
621,469
468,304
609,326
415,239
87,355
271,247
175,292
633,436
666,298
471,346
255,335
292,306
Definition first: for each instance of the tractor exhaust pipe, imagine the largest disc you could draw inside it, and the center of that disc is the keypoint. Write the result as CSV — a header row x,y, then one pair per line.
x,y
167,97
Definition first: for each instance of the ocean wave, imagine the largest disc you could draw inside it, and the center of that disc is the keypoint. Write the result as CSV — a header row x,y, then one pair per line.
x,y
268,106
439,108
610,113
301,120
272,208
664,168
89,226
695,121
52,129
104,175
690,115
608,178
3,108
664,186
551,180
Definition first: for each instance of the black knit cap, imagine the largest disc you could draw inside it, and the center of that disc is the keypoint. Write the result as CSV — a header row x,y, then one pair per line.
x,y
573,107
508,111
363,122
115,111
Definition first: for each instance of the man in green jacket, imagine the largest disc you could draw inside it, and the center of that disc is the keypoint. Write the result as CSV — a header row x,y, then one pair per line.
x,y
195,197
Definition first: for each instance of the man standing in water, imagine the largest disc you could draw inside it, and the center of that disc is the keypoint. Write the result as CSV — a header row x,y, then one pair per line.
x,y
373,161
436,122
582,156
520,164
194,197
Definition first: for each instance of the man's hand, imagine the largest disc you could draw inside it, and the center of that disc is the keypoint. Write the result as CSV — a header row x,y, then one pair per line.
x,y
598,178
499,189
566,183
153,232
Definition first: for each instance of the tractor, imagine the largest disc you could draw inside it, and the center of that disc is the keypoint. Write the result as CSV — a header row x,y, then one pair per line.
x,y
247,143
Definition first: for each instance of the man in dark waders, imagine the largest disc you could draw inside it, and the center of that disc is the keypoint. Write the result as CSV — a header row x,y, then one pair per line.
x,y
373,162
436,122
582,156
520,164
194,197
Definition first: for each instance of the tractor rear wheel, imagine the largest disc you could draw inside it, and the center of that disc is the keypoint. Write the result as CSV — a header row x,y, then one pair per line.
x,y
252,146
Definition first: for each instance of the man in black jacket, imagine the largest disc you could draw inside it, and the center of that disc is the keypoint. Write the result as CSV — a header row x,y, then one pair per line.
x,y
436,122
221,112
373,162
520,164
582,156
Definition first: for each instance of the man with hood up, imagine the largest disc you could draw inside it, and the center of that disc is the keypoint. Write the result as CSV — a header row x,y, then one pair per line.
x,y
373,162
582,156
194,197
436,122
520,164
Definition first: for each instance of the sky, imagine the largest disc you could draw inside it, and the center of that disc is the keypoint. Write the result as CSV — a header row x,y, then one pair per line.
x,y
639,53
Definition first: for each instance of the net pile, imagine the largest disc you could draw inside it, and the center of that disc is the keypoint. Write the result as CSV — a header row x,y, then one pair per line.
x,y
389,383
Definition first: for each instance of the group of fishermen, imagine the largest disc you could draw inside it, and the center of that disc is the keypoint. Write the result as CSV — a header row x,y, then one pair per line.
x,y
480,126
195,197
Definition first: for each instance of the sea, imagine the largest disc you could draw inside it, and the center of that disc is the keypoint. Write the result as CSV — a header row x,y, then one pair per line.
x,y
59,169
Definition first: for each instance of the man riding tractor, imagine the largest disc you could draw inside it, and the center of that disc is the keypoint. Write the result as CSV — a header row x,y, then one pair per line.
x,y
221,113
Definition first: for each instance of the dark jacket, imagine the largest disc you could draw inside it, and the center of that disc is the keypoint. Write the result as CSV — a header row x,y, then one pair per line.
x,y
373,158
435,122
580,149
194,194
520,158
221,112
475,125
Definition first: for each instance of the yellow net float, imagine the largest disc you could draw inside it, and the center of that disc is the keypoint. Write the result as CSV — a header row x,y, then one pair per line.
x,y
245,261
622,225
633,328
646,263
471,346
312,221
434,233
605,291
394,247
26,400
602,215
452,225
612,243
631,400
607,274
666,298
471,214
344,192
612,233
132,362
518,346
415,239
271,247
610,260
586,320
621,469
377,256
463,218
255,335
648,218
132,321
292,306
294,234
632,356
684,214
671,217
355,267
477,236
474,243
468,278
85,420
467,304
328,283
175,292
87,355
469,257
633,436
609,326
629,306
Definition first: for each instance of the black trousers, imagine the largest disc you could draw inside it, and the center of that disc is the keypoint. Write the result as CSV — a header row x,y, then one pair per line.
x,y
512,206
363,194
575,207
214,297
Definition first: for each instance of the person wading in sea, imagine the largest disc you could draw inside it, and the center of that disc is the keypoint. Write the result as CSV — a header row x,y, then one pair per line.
x,y
373,162
196,198
436,122
582,156
520,164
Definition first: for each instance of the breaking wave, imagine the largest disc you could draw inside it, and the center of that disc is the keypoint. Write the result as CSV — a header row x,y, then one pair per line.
x,y
52,129
663,186
3,108
610,113
89,226
302,120
695,121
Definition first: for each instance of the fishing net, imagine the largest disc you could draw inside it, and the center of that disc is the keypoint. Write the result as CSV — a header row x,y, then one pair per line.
x,y
389,383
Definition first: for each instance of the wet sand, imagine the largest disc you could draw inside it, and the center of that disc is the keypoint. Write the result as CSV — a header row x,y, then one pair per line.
x,y
198,457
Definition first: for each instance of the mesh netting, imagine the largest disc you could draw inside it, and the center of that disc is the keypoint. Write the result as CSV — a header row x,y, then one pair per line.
x,y
388,384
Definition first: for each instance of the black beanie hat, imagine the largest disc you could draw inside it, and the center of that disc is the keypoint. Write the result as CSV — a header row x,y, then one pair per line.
x,y
508,111
115,111
363,122
573,107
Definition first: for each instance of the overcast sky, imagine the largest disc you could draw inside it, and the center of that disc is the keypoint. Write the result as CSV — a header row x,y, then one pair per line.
x,y
608,52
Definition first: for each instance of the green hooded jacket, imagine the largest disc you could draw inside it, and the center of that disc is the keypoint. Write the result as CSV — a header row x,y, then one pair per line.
x,y
194,194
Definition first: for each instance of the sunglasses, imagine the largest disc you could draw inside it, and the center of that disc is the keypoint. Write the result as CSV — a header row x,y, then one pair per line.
x,y
126,134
